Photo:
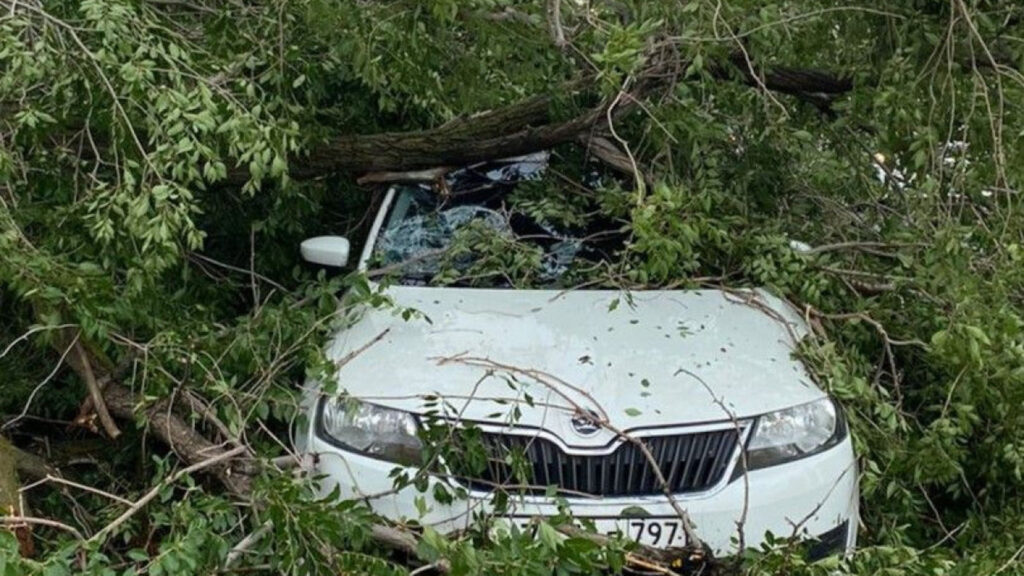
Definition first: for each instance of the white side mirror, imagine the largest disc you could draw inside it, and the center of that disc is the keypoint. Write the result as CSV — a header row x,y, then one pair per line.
x,y
326,251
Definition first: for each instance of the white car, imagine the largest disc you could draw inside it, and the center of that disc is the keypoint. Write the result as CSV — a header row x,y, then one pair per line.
x,y
615,403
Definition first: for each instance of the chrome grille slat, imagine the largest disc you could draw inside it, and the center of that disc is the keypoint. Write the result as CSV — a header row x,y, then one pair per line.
x,y
574,465
558,465
696,458
706,458
630,467
545,460
672,476
722,458
691,445
645,465
727,452
617,474
663,466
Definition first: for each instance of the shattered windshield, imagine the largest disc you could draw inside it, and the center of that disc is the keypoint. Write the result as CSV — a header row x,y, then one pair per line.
x,y
494,225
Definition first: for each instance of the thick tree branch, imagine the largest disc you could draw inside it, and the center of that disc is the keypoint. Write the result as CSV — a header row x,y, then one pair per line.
x,y
187,443
819,87
512,131
29,465
526,126
11,502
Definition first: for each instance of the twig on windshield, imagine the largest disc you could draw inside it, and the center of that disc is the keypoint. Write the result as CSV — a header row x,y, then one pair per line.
x,y
385,270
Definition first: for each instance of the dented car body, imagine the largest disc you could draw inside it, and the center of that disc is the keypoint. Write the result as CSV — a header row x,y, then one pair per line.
x,y
625,406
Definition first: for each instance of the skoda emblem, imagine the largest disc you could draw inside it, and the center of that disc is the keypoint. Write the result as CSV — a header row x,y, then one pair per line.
x,y
586,423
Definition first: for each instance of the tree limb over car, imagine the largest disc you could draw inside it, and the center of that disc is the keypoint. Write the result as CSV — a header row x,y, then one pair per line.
x,y
529,125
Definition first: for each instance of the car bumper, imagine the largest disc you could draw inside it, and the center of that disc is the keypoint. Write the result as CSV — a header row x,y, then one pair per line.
x,y
813,497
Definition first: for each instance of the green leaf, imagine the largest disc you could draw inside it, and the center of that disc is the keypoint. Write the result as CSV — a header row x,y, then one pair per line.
x,y
548,536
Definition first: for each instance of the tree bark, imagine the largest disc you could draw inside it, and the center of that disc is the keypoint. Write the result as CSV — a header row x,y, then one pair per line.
x,y
516,129
11,503
191,446
787,80
526,126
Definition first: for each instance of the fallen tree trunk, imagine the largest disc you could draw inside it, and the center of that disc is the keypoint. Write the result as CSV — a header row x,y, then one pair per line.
x,y
516,129
191,446
11,504
526,126
470,144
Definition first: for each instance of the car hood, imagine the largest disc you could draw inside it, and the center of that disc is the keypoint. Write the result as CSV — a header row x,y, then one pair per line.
x,y
639,359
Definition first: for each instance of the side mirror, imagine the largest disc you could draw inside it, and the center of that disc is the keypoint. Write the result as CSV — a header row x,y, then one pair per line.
x,y
326,251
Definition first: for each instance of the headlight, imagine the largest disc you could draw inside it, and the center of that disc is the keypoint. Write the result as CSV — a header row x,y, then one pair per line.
x,y
794,433
372,430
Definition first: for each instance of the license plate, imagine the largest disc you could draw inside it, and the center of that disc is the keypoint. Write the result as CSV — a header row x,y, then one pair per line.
x,y
659,532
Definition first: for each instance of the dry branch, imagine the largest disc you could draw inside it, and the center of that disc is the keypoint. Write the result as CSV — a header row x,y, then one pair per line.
x,y
20,521
246,543
95,393
155,491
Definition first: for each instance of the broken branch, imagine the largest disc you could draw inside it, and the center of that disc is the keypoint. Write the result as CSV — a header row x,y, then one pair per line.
x,y
95,393
18,521
155,491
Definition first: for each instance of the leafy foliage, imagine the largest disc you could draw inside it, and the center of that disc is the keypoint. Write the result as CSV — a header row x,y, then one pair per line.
x,y
124,124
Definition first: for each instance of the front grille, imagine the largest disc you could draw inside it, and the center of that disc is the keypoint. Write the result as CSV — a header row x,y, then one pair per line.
x,y
688,462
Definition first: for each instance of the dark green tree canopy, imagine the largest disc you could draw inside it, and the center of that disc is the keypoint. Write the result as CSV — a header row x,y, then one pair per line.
x,y
160,160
